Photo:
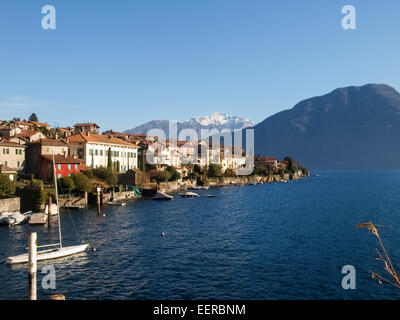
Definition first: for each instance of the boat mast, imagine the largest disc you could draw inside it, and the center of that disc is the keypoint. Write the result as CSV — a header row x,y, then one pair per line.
x,y
58,209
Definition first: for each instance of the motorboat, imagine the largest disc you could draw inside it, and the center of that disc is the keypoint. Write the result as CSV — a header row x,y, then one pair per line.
x,y
189,194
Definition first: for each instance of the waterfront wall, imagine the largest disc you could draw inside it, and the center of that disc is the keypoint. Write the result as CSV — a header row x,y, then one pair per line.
x,y
176,186
12,204
255,179
73,200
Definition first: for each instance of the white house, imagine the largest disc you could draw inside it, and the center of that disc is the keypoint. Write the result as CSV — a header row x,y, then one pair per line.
x,y
94,148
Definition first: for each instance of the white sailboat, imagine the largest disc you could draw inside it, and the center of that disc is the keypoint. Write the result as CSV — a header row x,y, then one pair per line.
x,y
56,250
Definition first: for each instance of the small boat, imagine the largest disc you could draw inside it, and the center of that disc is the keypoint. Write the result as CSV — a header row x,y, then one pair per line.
x,y
120,204
16,218
211,196
189,194
49,254
162,196
4,216
198,188
252,184
38,218
57,250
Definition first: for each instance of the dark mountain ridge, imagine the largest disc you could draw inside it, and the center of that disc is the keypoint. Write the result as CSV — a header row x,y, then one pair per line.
x,y
352,127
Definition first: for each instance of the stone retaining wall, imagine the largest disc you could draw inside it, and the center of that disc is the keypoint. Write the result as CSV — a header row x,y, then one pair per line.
x,y
12,204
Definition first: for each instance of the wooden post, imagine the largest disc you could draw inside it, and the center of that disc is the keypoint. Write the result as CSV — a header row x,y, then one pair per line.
x,y
32,261
49,213
98,201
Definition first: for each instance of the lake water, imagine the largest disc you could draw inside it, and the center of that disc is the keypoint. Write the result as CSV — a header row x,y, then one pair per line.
x,y
272,241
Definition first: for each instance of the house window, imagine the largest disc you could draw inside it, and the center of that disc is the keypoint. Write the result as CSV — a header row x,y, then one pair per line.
x,y
69,167
96,152
59,166
5,162
90,152
76,167
59,176
18,164
80,153
101,152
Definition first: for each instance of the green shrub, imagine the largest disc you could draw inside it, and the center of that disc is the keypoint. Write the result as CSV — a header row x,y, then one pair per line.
x,y
67,184
214,171
172,173
7,187
32,195
106,174
81,182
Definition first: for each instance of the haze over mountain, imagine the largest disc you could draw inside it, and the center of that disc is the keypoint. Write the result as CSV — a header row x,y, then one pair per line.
x,y
352,127
216,120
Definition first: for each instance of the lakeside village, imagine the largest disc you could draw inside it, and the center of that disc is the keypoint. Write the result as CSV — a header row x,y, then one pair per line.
x,y
113,165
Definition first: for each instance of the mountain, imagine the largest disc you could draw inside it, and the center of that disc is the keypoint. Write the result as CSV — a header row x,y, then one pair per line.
x,y
352,127
216,120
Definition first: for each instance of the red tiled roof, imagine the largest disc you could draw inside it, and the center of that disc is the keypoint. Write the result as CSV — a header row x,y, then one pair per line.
x,y
52,142
8,143
91,124
99,138
61,159
27,133
39,124
24,123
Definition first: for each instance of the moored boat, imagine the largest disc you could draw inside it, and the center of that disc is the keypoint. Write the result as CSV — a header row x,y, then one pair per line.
x,y
119,204
162,196
16,218
57,251
38,218
189,194
49,254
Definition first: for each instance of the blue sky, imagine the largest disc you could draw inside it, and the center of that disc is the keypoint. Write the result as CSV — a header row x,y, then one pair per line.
x,y
123,63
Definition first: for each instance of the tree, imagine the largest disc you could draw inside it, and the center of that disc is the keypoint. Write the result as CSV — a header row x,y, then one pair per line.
x,y
109,159
172,173
197,169
7,187
67,184
106,174
16,119
292,165
81,182
158,176
214,170
229,173
33,117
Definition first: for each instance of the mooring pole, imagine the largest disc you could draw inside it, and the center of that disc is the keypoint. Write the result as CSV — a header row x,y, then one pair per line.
x,y
98,201
49,213
32,261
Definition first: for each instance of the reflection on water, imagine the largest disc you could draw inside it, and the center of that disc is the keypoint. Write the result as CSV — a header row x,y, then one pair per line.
x,y
271,241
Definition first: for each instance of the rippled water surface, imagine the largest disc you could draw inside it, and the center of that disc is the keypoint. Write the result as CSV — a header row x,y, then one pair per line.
x,y
272,241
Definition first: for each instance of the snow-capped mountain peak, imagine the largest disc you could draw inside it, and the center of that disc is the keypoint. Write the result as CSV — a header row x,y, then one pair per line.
x,y
216,120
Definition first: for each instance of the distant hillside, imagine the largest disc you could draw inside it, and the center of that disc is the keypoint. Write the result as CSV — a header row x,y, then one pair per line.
x,y
214,121
353,127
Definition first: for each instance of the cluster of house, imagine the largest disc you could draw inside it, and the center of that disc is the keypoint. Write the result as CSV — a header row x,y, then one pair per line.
x,y
25,148
30,147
